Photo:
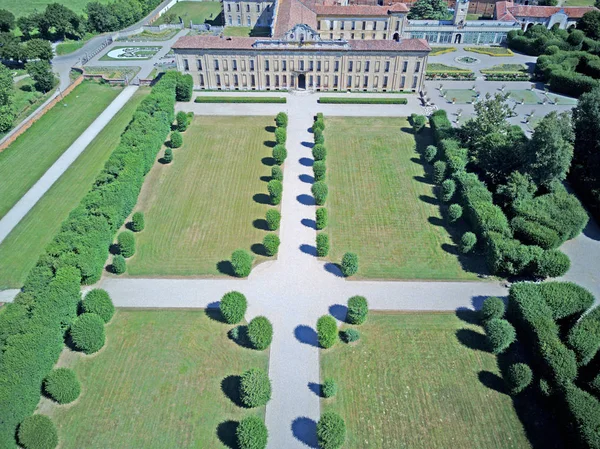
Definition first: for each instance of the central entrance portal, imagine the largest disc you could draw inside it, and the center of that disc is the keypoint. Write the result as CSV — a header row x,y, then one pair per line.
x,y
302,81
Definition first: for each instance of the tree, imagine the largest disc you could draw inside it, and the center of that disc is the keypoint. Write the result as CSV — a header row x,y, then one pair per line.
x,y
251,433
63,22
349,264
101,17
28,24
429,9
38,432
500,334
331,431
590,24
6,102
518,187
7,20
233,307
39,49
501,153
41,73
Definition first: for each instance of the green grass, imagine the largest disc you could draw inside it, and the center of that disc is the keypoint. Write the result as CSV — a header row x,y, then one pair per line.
x,y
26,99
164,35
156,384
410,383
22,247
25,7
579,3
201,207
435,51
506,68
462,96
523,94
116,73
197,12
491,51
240,100
436,67
379,204
232,31
352,100
561,99
27,158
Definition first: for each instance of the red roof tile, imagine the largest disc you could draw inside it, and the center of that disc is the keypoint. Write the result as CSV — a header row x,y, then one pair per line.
x,y
214,42
290,13
508,11
359,10
390,45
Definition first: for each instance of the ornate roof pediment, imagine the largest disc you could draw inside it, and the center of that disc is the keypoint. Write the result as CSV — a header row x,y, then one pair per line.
x,y
302,33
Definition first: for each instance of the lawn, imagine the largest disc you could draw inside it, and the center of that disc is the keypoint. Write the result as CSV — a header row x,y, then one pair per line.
x,y
410,383
247,31
27,158
156,384
197,12
116,73
506,68
24,7
491,51
380,205
23,246
436,67
561,99
435,51
579,3
528,96
164,35
26,99
210,201
462,96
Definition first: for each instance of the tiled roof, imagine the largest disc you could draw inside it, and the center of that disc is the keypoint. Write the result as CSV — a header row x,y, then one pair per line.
x,y
502,13
390,45
359,10
508,11
214,42
290,13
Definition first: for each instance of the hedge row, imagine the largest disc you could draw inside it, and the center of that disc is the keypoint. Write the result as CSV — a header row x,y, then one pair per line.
x,y
341,100
584,337
319,188
240,100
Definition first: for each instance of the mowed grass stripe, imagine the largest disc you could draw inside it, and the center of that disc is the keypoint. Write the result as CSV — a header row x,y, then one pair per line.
x,y
22,247
24,162
379,205
201,207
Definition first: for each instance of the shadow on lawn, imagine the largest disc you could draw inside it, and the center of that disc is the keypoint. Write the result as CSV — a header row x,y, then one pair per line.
x,y
268,161
305,430
492,381
226,433
472,339
269,143
261,198
230,386
225,267
261,223
259,249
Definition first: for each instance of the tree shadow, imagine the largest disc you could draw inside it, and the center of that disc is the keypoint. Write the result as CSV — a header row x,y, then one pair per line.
x,y
113,249
312,224
305,430
429,200
307,144
339,312
225,267
163,161
129,226
436,221
230,386
417,160
226,433
306,200
423,179
241,339
307,179
261,223
213,312
451,249
270,129
592,229
315,388
467,315
334,268
478,301
492,381
268,161
266,178
261,198
259,249
309,249
472,340
305,161
307,335
110,268
269,143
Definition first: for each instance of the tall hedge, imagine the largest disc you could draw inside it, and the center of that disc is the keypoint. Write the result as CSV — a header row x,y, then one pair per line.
x,y
87,333
327,332
281,120
584,337
279,154
98,301
500,333
185,87
275,189
62,385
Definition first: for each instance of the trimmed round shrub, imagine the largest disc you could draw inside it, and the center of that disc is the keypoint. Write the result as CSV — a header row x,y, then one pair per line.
x,y
280,136
448,189
182,121
176,139
331,431
327,332
87,333
519,377
552,263
276,173
126,242
500,335
271,243
273,219
318,135
138,222
255,388
319,190
467,242
493,307
118,265
251,433
430,153
349,264
233,307
439,171
279,154
260,332
321,218
455,211
357,310
350,335
322,245
275,190
62,385
37,432
241,261
281,120
418,122
168,156
329,388
319,124
319,152
98,301
319,169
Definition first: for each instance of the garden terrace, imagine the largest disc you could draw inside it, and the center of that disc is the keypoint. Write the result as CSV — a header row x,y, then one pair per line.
x,y
197,12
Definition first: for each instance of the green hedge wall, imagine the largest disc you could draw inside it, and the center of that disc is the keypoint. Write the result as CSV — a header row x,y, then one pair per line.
x,y
240,100
340,100
584,337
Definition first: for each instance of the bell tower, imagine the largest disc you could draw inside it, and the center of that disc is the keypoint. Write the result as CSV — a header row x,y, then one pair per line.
x,y
460,12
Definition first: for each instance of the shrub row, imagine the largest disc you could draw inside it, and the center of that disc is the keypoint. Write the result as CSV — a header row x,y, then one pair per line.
x,y
507,76
584,337
450,76
240,100
342,100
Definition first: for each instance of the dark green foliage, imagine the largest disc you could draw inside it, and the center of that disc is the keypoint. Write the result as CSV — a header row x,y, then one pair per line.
x,y
271,243
519,377
279,154
322,245
319,169
454,155
319,152
331,431
182,121
440,125
251,433
255,388
533,233
38,432
350,335
281,120
319,124
41,73
500,334
233,307
215,99
98,301
7,20
184,87
87,333
493,307
273,219
455,211
118,266
545,388
275,189
584,337
507,256
327,332
349,264
168,156
467,242
448,189
126,242
329,388
358,310
319,190
280,136
176,139
439,171
552,263
241,261
260,332
138,222
418,122
358,100
62,385
276,173
319,138
595,384
585,411
322,218
430,153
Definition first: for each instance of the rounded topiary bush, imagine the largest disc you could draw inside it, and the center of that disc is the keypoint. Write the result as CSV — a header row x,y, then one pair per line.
x,y
552,263
439,171
275,191
241,262
358,309
322,245
87,333
279,154
349,264
271,243
138,222
98,301
255,388
260,332
37,432
319,152
500,335
319,124
251,433
319,138
233,307
493,307
276,173
319,170
168,156
280,136
62,385
322,218
281,120
273,219
118,265
182,121
350,335
176,139
331,431
327,332
467,242
126,242
448,189
319,190
329,388
430,153
519,377
455,211
418,122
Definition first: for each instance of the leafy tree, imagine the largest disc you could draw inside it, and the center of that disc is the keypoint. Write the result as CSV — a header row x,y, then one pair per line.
x,y
182,121
322,244
260,332
255,388
350,335
518,187
176,139
38,432
349,264
281,120
271,243
87,333
493,307
101,17
329,388
327,332
118,264
331,431
519,377
501,153
467,242
251,433
322,218
28,24
241,261
6,99
138,222
276,173
168,156
279,154
439,171
448,189
320,190
41,73
98,301
7,20
357,310
62,385
319,169
590,24
126,242
430,153
273,217
275,189
62,21
454,212
233,307
429,9
500,334
39,49
418,122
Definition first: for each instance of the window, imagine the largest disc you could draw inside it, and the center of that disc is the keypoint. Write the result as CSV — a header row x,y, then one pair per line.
x,y
228,7
336,66
418,67
374,24
266,65
218,80
404,66
318,25
385,81
385,25
252,65
244,80
342,25
276,80
366,82
225,64
415,82
186,65
358,64
362,36
349,84
235,80
300,65
330,35
311,66
349,66
292,65
276,65
234,65
332,25
376,82
387,66
398,26
257,7
352,36
268,80
239,22
201,80
341,35
374,35
226,80
284,82
216,64
312,81
237,7
199,64
229,20
318,66
402,82
356,81
243,66
364,25
335,81
248,21
247,8
353,25
384,36
318,80
327,66
367,64
283,65
252,80
377,66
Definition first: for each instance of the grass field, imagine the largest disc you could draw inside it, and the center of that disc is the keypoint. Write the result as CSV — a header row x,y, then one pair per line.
x,y
528,96
204,205
436,67
23,8
411,382
28,157
156,384
26,99
579,3
435,51
506,68
380,206
462,96
197,12
22,247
